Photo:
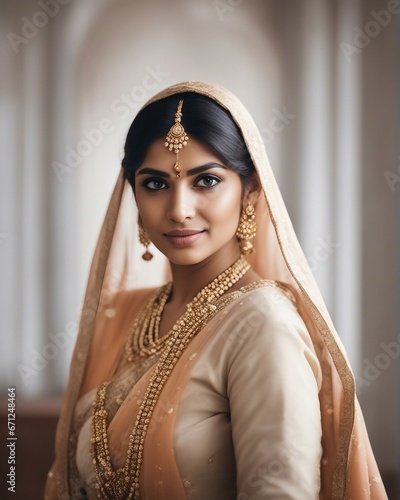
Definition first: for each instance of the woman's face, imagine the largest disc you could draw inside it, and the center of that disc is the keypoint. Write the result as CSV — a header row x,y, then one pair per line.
x,y
188,218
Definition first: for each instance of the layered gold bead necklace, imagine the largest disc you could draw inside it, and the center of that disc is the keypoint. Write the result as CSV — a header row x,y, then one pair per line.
x,y
144,340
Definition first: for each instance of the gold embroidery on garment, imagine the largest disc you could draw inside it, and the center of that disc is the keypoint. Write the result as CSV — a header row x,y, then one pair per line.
x,y
115,480
123,482
190,489
121,385
110,312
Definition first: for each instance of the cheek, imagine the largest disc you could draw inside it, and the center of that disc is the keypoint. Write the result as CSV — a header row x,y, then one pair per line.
x,y
149,210
144,198
224,207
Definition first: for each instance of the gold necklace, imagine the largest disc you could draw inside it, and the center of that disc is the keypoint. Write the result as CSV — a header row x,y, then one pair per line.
x,y
144,338
123,483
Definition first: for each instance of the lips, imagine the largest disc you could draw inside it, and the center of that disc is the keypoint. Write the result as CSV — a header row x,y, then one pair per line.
x,y
183,232
183,237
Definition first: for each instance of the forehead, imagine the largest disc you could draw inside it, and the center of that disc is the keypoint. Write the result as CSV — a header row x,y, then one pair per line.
x,y
192,155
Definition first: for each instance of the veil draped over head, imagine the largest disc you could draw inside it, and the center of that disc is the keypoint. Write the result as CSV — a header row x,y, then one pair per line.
x,y
348,468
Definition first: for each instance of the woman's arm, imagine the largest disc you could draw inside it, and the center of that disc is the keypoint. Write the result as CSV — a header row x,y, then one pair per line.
x,y
273,384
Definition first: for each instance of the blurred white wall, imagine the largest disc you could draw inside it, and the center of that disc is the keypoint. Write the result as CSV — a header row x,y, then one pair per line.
x,y
333,151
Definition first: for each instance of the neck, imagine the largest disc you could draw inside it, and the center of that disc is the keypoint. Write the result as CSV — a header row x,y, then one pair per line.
x,y
189,280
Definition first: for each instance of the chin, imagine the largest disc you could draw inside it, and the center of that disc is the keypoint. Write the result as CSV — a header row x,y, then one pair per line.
x,y
185,259
186,256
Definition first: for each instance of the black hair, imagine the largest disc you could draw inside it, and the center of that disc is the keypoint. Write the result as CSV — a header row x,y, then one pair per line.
x,y
203,119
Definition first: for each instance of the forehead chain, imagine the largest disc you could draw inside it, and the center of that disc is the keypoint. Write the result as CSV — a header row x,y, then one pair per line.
x,y
177,138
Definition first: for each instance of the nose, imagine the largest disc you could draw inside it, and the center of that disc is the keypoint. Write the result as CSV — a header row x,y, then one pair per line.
x,y
181,204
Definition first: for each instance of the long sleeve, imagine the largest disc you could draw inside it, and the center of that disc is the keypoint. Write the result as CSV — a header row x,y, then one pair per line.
x,y
273,383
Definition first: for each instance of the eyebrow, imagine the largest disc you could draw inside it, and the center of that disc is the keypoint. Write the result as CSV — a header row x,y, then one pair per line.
x,y
192,171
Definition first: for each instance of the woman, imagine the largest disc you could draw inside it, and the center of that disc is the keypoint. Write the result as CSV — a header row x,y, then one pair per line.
x,y
229,381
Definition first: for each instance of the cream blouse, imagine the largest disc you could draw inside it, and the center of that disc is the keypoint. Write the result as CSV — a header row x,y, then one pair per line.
x,y
248,425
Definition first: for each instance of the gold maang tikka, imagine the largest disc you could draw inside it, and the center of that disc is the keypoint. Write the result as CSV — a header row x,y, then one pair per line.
x,y
176,138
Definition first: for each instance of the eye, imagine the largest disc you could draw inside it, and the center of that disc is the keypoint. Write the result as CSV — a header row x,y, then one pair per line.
x,y
208,181
154,184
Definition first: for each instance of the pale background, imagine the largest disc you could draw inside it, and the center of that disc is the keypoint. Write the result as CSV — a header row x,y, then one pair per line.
x,y
335,153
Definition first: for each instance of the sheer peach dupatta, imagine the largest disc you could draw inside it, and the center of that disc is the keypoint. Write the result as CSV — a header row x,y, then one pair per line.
x,y
348,468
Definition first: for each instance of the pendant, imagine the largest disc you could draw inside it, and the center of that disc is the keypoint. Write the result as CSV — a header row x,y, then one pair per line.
x,y
177,169
147,255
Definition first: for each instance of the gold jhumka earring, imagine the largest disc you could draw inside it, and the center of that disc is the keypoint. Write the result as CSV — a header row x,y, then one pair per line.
x,y
176,138
247,229
144,240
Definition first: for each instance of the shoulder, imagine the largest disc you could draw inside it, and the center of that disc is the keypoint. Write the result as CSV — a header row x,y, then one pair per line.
x,y
264,324
271,290
267,298
259,310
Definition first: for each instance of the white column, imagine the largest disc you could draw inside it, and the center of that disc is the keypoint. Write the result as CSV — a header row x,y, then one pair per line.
x,y
314,161
347,199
